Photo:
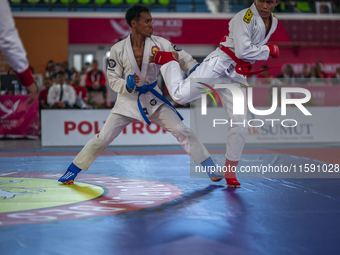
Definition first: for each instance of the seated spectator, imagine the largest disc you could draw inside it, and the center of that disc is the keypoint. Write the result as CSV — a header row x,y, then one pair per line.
x,y
10,71
336,77
67,71
264,78
335,6
50,69
315,78
81,92
47,82
95,80
61,67
319,70
61,95
287,77
304,76
291,6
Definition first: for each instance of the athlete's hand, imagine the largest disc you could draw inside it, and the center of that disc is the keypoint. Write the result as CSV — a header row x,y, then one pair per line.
x,y
33,92
132,81
274,50
151,58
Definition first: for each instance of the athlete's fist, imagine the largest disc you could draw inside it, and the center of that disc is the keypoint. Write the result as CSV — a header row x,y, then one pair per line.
x,y
132,81
274,50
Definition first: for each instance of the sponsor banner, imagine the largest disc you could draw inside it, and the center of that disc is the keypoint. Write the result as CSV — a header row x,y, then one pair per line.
x,y
77,127
17,118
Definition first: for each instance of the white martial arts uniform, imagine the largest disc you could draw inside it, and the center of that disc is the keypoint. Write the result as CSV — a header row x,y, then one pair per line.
x,y
11,45
122,63
247,39
69,95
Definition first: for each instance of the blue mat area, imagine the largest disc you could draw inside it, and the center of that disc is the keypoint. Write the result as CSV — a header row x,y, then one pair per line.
x,y
264,216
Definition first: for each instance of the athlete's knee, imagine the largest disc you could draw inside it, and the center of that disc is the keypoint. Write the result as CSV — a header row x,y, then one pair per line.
x,y
102,139
180,131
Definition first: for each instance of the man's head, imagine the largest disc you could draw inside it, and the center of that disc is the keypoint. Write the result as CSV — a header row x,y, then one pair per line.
x,y
60,78
47,82
76,79
288,70
61,67
266,7
139,19
50,65
94,65
305,69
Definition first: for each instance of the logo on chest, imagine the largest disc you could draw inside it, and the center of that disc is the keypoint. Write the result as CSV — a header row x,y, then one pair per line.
x,y
154,50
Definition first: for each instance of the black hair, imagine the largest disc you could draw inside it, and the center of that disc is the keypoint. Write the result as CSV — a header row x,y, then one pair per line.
x,y
60,72
134,13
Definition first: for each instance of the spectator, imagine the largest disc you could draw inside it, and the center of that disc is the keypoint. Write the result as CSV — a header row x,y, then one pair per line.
x,y
50,68
73,70
81,92
264,78
60,67
287,77
61,95
67,71
336,77
86,68
47,82
95,80
290,6
304,76
10,71
319,70
315,78
335,6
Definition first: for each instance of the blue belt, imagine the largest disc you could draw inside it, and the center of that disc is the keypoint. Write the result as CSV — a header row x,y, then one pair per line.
x,y
150,88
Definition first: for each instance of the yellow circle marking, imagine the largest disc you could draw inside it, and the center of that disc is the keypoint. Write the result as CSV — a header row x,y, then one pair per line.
x,y
21,194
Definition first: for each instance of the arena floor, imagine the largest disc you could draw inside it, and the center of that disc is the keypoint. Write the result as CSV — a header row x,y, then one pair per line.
x,y
142,200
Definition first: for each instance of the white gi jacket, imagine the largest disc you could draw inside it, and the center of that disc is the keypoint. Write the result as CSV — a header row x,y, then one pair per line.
x,y
247,39
69,94
122,63
10,43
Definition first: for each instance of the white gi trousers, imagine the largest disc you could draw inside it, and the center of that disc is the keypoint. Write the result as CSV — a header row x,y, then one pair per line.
x,y
182,92
164,116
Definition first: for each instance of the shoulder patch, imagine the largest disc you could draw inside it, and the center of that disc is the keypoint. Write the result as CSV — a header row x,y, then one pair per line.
x,y
176,48
111,63
247,17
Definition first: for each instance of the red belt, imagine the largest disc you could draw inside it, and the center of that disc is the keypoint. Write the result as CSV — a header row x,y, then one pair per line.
x,y
242,67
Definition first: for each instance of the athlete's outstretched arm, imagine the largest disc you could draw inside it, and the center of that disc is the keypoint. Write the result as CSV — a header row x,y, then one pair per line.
x,y
11,46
